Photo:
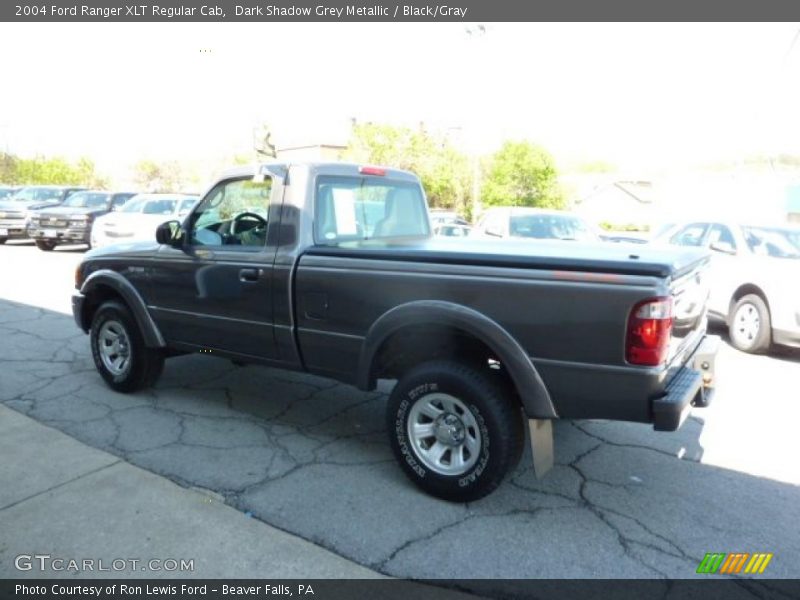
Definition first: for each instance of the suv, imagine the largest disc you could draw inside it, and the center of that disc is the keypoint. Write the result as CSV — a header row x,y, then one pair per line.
x,y
14,211
71,222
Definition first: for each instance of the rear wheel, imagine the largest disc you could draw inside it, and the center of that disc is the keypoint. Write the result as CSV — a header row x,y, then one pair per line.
x,y
119,351
749,326
45,245
3,240
453,431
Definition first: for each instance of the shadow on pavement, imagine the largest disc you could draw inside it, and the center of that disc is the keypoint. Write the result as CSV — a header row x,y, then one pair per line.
x,y
309,455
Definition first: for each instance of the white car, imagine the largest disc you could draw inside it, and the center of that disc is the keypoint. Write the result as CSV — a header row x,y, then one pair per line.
x,y
754,279
533,223
138,219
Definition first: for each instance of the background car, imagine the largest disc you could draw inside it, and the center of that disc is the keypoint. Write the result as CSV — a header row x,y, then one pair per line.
x,y
440,216
71,221
7,191
15,210
754,279
139,218
534,223
451,230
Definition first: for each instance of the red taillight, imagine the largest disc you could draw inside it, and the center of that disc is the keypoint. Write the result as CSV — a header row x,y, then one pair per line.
x,y
649,331
372,171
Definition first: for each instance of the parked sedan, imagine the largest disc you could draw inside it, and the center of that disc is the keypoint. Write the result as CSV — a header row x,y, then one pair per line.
x,y
533,223
451,230
138,220
15,210
71,221
754,279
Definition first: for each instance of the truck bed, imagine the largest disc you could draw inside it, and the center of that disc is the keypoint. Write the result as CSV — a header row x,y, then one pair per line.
x,y
616,259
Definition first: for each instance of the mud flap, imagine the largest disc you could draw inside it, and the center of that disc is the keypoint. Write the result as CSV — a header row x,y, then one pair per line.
x,y
541,432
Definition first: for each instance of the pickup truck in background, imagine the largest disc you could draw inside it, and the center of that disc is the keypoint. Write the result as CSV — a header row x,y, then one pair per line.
x,y
331,268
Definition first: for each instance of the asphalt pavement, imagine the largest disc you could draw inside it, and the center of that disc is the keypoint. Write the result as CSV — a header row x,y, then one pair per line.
x,y
302,455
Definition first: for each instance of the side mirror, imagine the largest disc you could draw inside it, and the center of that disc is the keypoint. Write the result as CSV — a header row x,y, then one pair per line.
x,y
170,233
723,247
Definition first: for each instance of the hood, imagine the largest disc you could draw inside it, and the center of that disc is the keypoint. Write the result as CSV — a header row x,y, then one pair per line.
x,y
72,210
123,250
598,257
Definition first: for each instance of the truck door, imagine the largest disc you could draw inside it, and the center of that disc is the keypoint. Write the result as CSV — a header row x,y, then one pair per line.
x,y
215,292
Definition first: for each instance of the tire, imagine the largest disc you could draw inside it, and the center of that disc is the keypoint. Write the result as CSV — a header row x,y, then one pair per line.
x,y
749,325
45,246
474,436
3,240
113,324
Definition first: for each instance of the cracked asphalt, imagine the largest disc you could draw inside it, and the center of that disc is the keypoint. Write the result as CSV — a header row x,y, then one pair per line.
x,y
310,456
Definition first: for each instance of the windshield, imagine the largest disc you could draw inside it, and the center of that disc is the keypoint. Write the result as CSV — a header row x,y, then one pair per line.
x,y
87,200
554,227
5,192
773,242
150,205
360,208
29,194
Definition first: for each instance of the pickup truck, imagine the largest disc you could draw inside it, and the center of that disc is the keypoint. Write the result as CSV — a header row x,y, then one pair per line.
x,y
331,269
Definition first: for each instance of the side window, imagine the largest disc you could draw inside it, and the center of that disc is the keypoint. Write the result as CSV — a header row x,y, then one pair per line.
x,y
233,215
721,234
691,235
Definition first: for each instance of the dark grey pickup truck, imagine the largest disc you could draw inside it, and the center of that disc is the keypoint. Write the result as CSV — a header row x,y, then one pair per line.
x,y
332,269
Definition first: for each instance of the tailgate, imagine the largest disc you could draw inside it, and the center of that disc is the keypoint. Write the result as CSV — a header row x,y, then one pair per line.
x,y
689,290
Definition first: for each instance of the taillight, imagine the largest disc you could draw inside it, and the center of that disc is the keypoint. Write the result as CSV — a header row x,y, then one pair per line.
x,y
372,171
649,331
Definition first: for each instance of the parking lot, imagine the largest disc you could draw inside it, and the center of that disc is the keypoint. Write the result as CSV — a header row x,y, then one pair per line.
x,y
310,456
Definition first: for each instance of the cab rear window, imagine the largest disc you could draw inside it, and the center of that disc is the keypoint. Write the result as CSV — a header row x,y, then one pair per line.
x,y
363,208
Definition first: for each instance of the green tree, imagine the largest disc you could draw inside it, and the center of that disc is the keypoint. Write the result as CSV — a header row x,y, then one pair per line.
x,y
40,170
444,171
521,174
157,177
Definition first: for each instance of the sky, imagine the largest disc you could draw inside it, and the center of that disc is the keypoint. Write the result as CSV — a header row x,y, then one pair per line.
x,y
640,96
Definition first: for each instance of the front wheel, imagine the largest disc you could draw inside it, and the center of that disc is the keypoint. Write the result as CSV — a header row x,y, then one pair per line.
x,y
44,245
453,431
749,326
3,240
119,351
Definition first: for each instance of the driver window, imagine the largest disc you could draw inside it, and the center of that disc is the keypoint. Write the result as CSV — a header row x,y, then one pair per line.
x,y
233,215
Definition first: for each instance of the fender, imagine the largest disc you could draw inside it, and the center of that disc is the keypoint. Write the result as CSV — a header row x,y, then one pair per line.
x,y
532,390
111,279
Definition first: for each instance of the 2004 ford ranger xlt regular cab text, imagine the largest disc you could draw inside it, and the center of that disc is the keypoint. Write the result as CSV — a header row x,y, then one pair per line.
x,y
332,269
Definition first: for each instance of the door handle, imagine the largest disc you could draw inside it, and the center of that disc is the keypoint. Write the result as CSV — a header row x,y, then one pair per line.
x,y
249,275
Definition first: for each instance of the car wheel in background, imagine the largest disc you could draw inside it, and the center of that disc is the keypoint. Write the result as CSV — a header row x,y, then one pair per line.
x,y
453,431
3,240
46,246
119,351
749,325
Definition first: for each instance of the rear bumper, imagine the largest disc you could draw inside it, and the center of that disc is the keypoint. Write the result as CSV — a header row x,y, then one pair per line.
x,y
692,385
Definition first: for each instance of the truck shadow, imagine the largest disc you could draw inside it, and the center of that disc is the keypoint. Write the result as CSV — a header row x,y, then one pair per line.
x,y
310,456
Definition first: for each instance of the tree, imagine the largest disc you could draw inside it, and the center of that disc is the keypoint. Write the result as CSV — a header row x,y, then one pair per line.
x,y
158,177
444,171
41,170
521,174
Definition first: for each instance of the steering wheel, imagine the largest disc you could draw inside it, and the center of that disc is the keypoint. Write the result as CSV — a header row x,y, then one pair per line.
x,y
246,215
